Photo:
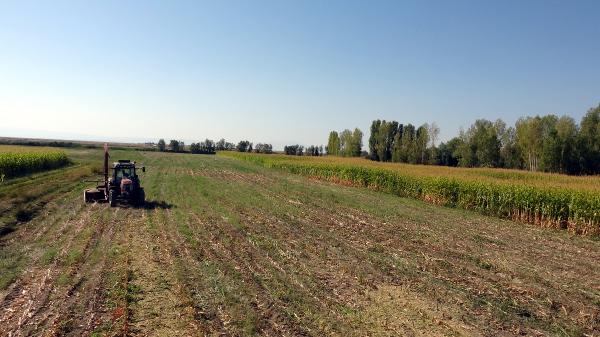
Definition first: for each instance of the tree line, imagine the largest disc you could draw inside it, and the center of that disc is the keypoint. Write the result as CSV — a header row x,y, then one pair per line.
x,y
396,142
346,143
542,143
299,150
205,147
210,147
174,145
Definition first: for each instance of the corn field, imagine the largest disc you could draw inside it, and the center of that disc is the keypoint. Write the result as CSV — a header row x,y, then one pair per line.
x,y
574,209
14,164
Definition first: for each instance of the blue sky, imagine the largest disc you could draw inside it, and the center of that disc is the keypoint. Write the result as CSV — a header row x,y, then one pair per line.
x,y
288,72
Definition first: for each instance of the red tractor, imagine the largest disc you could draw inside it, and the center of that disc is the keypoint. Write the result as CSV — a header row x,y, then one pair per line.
x,y
123,185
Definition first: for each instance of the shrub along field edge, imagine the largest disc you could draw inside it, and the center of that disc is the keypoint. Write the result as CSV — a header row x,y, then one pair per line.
x,y
576,211
14,164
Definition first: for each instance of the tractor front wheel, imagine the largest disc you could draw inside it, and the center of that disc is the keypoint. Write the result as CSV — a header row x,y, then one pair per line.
x,y
112,200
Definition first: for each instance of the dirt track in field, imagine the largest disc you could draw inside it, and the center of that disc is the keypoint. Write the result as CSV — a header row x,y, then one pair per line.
x,y
228,248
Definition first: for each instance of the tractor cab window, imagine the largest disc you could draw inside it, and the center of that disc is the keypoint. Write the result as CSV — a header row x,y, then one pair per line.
x,y
127,172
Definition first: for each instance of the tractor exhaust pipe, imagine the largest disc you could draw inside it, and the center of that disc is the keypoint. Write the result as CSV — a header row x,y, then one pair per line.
x,y
106,166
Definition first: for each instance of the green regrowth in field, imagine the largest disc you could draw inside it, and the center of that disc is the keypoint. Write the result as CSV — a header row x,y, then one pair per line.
x,y
541,199
19,160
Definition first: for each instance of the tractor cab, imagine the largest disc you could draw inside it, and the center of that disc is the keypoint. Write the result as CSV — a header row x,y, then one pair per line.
x,y
125,183
123,169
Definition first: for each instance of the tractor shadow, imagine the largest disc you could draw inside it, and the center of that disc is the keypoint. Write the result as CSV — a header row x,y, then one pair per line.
x,y
154,204
149,204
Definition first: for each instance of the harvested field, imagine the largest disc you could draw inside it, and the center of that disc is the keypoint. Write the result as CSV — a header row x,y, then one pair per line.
x,y
228,247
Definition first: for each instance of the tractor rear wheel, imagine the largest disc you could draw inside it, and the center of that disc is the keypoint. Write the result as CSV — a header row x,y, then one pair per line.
x,y
112,200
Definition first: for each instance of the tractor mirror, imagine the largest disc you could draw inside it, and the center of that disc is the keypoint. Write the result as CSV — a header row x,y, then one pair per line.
x,y
143,168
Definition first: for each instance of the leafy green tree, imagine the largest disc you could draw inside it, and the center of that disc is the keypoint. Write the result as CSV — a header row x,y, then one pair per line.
x,y
568,152
384,142
373,139
174,145
356,143
333,144
481,145
549,153
487,144
346,143
547,143
263,148
244,146
207,146
589,141
421,143
397,145
391,130
446,154
510,154
407,144
465,152
550,156
161,145
433,132
529,138
220,146
293,150
312,151
381,141
408,152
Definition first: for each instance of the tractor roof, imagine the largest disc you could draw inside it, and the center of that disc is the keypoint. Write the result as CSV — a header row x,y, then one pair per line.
x,y
123,163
